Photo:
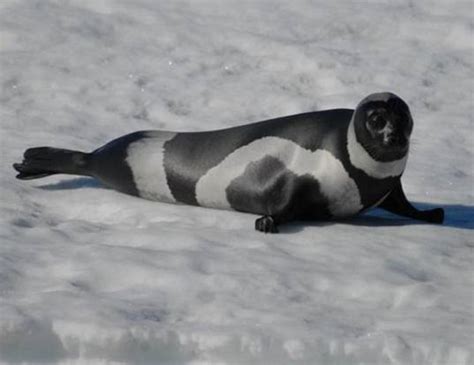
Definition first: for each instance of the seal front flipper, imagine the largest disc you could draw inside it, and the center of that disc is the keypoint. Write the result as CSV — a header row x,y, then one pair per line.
x,y
266,224
397,203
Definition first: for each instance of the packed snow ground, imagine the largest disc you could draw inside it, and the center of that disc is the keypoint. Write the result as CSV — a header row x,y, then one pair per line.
x,y
88,275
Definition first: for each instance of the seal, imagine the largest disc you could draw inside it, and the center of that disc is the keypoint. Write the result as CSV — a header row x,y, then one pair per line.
x,y
312,166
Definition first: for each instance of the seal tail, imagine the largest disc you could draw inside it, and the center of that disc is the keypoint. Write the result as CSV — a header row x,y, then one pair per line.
x,y
40,162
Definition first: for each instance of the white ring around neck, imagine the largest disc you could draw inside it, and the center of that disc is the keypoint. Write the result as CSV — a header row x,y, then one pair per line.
x,y
361,159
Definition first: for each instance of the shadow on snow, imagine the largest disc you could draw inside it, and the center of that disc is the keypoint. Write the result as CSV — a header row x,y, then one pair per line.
x,y
77,183
456,215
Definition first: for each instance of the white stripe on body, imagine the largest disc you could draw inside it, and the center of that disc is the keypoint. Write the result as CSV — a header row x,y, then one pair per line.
x,y
335,183
361,159
146,160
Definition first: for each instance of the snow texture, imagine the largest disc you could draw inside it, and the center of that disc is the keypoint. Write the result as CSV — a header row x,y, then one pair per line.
x,y
89,275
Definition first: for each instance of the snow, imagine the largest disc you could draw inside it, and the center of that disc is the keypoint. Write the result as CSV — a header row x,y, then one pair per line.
x,y
89,275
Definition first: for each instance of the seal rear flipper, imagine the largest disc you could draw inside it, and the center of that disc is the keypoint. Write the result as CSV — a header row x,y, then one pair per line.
x,y
40,162
397,203
27,174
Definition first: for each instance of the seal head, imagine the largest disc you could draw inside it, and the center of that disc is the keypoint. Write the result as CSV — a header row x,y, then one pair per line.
x,y
383,125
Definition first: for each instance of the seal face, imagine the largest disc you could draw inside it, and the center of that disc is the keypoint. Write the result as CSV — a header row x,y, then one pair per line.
x,y
383,125
362,159
319,165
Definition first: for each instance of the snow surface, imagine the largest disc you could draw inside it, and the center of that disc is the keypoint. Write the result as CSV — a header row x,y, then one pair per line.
x,y
88,275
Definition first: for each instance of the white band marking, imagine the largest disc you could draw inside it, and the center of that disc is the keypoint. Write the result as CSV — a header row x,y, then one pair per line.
x,y
335,183
361,159
145,158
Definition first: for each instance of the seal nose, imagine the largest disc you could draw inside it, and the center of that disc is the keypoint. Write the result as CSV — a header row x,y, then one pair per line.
x,y
398,140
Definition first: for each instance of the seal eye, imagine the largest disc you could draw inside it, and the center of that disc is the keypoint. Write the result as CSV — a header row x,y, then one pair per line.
x,y
378,122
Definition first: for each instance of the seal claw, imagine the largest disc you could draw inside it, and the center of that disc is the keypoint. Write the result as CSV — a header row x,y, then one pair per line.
x,y
266,224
